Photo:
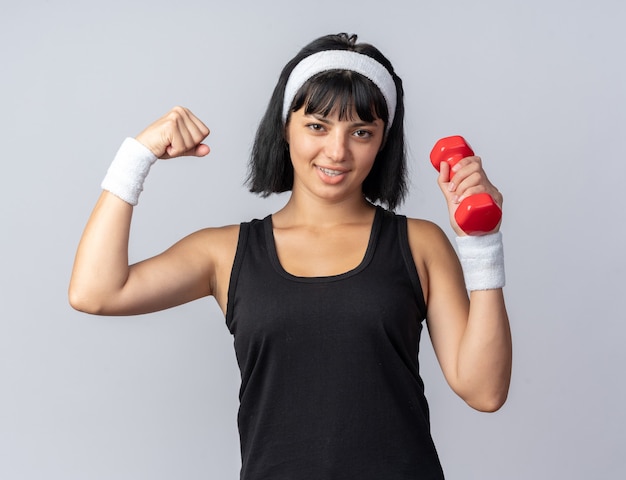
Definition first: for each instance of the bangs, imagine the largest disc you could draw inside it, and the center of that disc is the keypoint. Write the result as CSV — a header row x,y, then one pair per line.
x,y
344,92
338,92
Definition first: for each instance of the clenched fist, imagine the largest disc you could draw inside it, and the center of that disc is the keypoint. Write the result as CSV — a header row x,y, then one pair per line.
x,y
178,133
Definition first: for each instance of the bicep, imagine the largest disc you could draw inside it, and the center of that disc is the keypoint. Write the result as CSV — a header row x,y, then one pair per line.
x,y
182,273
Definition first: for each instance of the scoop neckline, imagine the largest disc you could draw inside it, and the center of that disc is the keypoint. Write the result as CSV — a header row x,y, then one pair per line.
x,y
367,257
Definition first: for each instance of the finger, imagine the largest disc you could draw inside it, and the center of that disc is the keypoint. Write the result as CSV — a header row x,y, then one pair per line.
x,y
182,139
178,145
196,127
483,187
178,133
444,175
198,132
475,182
199,127
185,138
161,135
447,186
462,194
469,174
465,167
192,131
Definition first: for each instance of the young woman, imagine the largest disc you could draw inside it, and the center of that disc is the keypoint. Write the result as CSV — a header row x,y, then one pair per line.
x,y
326,297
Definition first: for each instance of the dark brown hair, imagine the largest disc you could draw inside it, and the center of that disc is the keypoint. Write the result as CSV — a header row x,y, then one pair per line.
x,y
270,169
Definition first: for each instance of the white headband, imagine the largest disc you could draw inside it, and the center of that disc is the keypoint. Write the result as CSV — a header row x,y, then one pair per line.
x,y
341,60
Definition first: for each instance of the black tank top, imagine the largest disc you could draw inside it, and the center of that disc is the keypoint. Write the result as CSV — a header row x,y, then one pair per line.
x,y
330,384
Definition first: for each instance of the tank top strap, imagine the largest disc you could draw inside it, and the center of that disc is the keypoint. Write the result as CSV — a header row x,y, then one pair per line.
x,y
242,243
394,248
389,239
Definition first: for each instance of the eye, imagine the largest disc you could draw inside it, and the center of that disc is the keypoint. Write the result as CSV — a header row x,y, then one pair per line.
x,y
316,127
362,133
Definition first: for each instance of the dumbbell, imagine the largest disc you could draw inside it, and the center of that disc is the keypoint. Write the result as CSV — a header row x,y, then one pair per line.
x,y
476,214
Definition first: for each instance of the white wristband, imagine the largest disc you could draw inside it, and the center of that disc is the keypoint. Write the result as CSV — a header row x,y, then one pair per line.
x,y
129,169
482,259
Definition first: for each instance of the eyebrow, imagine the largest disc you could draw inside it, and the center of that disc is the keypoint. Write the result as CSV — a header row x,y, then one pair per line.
x,y
360,123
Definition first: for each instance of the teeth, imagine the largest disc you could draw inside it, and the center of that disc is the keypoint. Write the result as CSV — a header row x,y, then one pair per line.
x,y
330,173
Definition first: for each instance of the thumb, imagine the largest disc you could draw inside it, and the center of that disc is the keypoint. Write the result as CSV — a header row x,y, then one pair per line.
x,y
201,150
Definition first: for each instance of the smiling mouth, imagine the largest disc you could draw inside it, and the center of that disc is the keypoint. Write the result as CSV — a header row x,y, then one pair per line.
x,y
329,172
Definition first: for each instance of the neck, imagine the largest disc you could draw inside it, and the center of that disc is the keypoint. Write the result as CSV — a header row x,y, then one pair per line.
x,y
317,212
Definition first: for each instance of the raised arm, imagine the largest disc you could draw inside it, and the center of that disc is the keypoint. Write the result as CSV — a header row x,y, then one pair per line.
x,y
102,281
471,337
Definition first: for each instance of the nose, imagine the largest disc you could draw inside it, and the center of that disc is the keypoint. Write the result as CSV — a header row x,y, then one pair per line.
x,y
336,146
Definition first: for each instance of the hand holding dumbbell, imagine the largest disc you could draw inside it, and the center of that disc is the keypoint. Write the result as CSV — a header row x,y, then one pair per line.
x,y
478,213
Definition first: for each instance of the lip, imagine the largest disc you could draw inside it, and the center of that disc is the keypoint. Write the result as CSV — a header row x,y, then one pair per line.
x,y
337,175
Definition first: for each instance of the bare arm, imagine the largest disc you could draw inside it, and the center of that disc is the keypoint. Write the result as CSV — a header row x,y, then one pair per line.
x,y
103,282
471,337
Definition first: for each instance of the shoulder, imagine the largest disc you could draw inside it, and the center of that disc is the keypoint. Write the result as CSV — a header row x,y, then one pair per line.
x,y
206,248
426,236
432,252
215,241
213,250
224,234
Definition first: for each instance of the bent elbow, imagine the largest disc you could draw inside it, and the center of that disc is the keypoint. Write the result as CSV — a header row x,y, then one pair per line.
x,y
489,403
82,302
79,304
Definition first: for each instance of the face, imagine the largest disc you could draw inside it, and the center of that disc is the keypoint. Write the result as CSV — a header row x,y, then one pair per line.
x,y
331,157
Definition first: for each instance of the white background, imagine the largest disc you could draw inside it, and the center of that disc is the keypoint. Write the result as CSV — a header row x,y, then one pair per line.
x,y
537,86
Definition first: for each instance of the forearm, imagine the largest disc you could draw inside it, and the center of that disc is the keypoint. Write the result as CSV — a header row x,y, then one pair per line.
x,y
485,352
101,264
476,347
102,282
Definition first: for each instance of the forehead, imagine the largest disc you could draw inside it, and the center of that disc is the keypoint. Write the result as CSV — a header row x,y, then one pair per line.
x,y
345,94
